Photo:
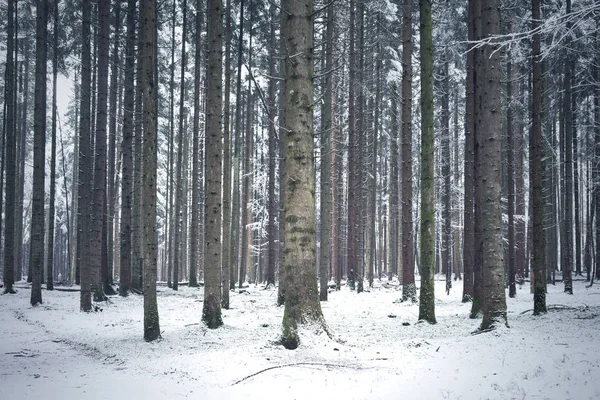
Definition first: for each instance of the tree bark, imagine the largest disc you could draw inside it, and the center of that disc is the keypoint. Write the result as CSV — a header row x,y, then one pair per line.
x,y
85,165
409,290
211,313
301,301
36,253
488,169
427,296
149,189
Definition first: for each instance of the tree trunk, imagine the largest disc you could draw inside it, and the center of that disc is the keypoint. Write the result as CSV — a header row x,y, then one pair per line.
x,y
301,301
510,181
36,253
427,296
446,216
10,161
51,209
149,189
409,290
538,261
127,151
272,206
226,269
179,181
211,313
326,131
112,144
488,168
85,165
567,267
99,193
196,166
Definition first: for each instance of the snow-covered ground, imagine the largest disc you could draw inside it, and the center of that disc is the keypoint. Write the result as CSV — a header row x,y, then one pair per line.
x,y
379,351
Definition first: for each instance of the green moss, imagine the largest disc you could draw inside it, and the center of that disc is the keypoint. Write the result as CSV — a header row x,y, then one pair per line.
x,y
289,336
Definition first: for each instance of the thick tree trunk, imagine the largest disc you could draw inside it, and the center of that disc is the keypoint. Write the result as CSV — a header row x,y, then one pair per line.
x,y
488,169
301,301
211,313
427,296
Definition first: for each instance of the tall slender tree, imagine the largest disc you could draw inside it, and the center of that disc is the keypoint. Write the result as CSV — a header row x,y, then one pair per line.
x,y
36,253
409,290
196,165
427,296
127,154
85,163
99,194
211,313
488,168
51,207
326,129
536,168
149,189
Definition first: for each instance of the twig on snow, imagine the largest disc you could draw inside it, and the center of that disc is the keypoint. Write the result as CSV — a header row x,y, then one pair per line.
x,y
294,365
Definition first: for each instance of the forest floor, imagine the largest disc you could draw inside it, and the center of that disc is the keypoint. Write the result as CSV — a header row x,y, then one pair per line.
x,y
379,351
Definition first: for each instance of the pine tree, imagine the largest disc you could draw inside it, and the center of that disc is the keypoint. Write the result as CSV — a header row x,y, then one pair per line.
x,y
149,189
488,168
538,261
427,296
211,313
409,290
301,298
36,254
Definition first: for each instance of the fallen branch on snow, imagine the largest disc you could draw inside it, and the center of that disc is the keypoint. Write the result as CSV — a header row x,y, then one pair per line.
x,y
294,365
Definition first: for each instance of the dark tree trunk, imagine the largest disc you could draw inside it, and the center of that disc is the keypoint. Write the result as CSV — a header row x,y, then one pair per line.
x,y
537,170
409,290
226,269
326,160
51,209
99,193
85,166
490,181
10,153
36,253
149,189
179,221
197,166
567,267
510,180
272,206
211,312
112,143
427,296
127,151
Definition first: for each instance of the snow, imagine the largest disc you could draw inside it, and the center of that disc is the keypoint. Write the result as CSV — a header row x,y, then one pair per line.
x,y
377,350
